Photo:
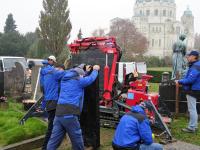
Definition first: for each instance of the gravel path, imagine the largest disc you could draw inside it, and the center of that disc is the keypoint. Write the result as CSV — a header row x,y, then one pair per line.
x,y
172,146
181,146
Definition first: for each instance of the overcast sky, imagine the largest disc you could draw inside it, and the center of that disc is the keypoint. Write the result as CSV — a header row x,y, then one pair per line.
x,y
85,14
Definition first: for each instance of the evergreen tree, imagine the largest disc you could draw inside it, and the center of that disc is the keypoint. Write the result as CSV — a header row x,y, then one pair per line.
x,y
55,25
13,44
10,24
79,36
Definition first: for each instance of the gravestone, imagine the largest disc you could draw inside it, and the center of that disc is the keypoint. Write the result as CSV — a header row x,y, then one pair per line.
x,y
90,122
14,80
89,119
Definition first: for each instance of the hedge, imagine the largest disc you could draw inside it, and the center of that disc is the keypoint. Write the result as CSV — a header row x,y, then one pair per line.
x,y
157,75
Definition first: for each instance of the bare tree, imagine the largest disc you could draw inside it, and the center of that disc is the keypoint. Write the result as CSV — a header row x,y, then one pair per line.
x,y
99,32
130,40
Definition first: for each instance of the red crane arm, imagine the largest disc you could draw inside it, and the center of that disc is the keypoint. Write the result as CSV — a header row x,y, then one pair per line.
x,y
108,46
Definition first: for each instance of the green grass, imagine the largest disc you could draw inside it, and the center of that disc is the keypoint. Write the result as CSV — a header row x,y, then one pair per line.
x,y
154,87
177,125
10,129
106,138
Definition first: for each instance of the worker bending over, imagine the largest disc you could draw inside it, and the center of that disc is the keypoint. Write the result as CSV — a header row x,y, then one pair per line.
x,y
69,107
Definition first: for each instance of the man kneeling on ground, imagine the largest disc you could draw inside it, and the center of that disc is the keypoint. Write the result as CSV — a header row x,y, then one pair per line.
x,y
134,132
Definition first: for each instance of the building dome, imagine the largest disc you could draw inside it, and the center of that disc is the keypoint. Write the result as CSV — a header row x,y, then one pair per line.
x,y
156,20
188,12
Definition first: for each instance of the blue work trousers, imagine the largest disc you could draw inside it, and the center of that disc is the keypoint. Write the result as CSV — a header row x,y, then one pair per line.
x,y
153,146
63,125
51,115
192,108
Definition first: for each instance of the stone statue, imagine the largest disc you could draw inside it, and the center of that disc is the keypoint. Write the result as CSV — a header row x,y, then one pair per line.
x,y
178,58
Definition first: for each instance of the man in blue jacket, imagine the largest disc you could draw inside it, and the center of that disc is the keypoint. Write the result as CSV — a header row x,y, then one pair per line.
x,y
191,84
69,108
134,132
50,79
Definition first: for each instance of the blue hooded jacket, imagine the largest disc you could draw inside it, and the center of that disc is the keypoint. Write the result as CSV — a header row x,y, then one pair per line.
x,y
51,81
72,92
45,63
130,130
192,79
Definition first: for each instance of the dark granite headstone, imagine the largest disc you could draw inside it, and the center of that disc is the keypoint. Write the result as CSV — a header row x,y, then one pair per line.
x,y
89,120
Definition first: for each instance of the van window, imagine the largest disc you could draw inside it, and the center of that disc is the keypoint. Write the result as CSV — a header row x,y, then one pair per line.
x,y
9,63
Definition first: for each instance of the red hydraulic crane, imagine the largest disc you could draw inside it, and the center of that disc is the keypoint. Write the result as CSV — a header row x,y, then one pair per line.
x,y
108,46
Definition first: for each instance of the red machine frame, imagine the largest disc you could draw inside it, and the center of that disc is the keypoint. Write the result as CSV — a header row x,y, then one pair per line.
x,y
108,46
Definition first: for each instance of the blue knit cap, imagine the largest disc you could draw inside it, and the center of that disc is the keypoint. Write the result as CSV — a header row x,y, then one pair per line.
x,y
194,53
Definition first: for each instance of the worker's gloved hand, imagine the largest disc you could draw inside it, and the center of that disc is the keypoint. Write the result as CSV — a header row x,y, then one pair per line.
x,y
96,67
88,68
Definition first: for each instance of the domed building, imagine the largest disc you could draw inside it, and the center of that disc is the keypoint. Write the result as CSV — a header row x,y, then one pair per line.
x,y
156,19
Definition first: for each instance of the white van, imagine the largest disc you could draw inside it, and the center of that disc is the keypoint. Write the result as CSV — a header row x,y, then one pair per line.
x,y
8,62
12,75
34,62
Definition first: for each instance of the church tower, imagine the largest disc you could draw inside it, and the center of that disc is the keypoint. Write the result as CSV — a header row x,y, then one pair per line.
x,y
156,20
187,21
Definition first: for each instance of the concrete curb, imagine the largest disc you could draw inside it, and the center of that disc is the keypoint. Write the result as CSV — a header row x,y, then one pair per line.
x,y
26,145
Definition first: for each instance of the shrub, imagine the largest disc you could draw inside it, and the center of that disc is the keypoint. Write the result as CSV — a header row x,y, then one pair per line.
x,y
157,75
154,61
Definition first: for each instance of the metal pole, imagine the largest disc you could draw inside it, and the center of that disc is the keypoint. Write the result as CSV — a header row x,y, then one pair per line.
x,y
177,99
36,86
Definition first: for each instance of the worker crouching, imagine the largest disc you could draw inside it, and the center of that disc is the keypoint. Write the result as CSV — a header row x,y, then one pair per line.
x,y
69,107
134,132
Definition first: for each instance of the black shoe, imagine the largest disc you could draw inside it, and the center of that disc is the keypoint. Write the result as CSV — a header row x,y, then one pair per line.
x,y
187,130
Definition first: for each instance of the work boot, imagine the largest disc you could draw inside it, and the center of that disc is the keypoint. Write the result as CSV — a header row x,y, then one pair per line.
x,y
188,130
